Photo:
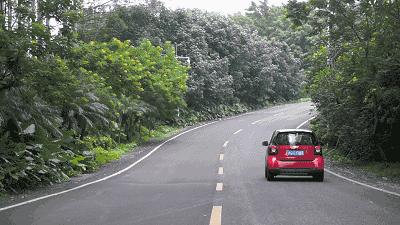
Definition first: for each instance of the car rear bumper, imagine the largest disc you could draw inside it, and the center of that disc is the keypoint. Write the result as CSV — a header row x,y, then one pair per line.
x,y
308,167
296,171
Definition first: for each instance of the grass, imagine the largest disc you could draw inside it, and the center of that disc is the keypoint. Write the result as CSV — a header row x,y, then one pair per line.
x,y
382,169
335,156
3,195
104,156
304,100
164,132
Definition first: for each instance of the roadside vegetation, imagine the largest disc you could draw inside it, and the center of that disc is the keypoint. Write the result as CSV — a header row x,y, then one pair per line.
x,y
353,76
380,169
82,84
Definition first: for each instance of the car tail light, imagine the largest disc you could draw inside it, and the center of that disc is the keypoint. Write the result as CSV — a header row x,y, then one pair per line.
x,y
317,150
272,150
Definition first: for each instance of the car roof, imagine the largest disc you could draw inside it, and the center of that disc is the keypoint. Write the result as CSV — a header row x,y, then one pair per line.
x,y
293,130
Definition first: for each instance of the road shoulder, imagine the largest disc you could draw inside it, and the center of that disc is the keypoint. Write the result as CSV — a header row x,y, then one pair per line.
x,y
363,176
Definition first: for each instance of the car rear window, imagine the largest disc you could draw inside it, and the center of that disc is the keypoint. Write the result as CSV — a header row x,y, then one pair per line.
x,y
295,138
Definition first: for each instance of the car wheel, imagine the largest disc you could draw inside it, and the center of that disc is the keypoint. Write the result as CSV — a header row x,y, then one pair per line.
x,y
268,175
319,177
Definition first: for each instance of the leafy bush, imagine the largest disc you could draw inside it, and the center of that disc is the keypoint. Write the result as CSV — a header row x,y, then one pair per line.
x,y
105,142
27,164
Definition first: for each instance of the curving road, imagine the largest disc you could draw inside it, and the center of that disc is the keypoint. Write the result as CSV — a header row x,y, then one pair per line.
x,y
211,174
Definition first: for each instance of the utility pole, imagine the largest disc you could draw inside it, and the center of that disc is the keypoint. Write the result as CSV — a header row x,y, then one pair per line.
x,y
3,12
331,51
9,15
185,59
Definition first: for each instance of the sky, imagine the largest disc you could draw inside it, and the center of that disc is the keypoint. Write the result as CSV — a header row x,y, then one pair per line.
x,y
221,6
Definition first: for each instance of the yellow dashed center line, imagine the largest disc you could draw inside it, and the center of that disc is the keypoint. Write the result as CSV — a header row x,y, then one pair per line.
x,y
216,215
219,187
220,171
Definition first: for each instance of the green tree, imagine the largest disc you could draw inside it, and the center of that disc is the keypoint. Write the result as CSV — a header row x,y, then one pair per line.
x,y
354,74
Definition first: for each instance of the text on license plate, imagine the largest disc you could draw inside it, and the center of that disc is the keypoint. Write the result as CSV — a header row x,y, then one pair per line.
x,y
295,152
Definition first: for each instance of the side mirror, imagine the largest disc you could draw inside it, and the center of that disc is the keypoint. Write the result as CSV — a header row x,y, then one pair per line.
x,y
265,143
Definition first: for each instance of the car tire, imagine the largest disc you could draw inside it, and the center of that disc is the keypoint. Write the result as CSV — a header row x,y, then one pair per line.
x,y
269,175
319,177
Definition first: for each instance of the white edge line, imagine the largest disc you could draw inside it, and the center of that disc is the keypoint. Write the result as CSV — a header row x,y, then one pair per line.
x,y
351,180
107,177
238,131
362,184
302,124
225,144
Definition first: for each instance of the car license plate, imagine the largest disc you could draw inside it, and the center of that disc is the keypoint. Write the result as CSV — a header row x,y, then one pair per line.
x,y
295,153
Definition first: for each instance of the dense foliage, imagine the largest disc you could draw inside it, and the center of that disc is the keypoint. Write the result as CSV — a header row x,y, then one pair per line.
x,y
66,103
80,86
354,74
233,67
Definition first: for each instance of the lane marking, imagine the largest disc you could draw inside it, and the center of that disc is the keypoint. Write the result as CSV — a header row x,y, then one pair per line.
x,y
107,177
238,131
270,118
219,186
302,124
225,144
221,157
362,184
215,218
351,180
257,121
220,170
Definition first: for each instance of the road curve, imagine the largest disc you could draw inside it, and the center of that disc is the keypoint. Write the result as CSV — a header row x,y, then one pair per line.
x,y
214,174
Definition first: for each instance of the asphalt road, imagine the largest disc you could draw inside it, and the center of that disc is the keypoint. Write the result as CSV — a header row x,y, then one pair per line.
x,y
178,185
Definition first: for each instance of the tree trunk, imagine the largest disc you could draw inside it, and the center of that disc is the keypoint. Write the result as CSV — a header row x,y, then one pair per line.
x,y
9,15
39,14
331,57
3,13
48,23
18,16
34,9
375,128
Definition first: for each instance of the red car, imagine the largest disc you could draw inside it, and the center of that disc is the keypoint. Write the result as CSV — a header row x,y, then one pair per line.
x,y
294,152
